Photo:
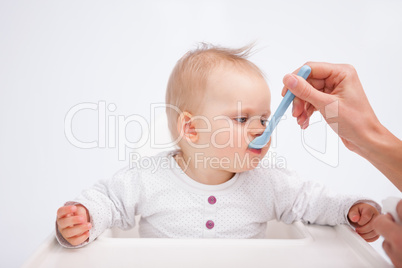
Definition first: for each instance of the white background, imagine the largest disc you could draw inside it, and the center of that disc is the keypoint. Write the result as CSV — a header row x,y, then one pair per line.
x,y
57,54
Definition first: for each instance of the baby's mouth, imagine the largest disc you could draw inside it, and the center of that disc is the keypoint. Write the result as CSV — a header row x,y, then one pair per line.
x,y
255,151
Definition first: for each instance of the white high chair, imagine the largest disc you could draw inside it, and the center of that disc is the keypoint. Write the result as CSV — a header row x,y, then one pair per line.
x,y
293,245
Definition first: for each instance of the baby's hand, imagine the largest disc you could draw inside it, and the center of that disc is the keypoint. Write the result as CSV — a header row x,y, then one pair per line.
x,y
361,216
73,224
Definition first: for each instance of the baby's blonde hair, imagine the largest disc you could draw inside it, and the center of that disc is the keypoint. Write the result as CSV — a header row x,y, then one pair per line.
x,y
187,82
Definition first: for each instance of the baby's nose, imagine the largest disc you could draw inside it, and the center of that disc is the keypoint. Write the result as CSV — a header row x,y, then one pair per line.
x,y
256,130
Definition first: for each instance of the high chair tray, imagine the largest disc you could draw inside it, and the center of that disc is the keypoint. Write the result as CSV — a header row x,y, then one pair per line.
x,y
294,245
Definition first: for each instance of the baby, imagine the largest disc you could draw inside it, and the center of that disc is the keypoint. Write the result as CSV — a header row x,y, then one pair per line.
x,y
213,186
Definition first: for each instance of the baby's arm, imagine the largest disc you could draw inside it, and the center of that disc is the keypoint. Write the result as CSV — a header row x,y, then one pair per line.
x,y
109,203
73,224
312,202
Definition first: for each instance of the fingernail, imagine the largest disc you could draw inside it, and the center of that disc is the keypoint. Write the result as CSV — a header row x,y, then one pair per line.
x,y
290,81
305,124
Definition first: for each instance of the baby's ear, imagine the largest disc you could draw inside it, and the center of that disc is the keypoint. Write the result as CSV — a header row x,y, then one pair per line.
x,y
186,128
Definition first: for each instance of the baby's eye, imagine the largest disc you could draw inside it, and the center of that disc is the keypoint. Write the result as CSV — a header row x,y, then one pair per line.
x,y
264,121
241,119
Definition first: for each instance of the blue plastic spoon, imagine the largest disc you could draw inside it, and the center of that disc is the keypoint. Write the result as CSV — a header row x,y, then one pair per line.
x,y
262,140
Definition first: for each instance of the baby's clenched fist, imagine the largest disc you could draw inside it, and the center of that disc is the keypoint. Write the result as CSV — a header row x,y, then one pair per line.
x,y
361,216
73,224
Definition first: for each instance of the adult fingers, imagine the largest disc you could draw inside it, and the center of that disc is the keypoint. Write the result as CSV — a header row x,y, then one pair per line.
x,y
303,90
298,107
305,124
301,119
399,210
315,83
309,109
320,72
389,250
385,226
304,118
64,211
70,221
324,70
393,253
387,247
318,84
76,230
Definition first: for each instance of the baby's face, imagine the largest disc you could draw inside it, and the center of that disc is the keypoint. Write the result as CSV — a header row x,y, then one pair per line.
x,y
237,105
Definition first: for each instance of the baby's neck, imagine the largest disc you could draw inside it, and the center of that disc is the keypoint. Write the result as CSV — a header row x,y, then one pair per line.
x,y
200,173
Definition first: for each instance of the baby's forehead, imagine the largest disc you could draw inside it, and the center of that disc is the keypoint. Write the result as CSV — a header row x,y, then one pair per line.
x,y
236,67
231,84
230,71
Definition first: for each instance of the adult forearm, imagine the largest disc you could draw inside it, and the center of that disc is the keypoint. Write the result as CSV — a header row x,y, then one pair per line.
x,y
384,151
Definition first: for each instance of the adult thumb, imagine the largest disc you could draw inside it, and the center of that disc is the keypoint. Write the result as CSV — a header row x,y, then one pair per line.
x,y
303,90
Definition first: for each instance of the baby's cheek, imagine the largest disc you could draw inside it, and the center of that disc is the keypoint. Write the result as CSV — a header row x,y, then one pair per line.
x,y
239,138
202,142
222,138
235,140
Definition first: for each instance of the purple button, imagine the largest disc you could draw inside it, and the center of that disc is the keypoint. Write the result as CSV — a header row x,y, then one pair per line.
x,y
210,224
212,200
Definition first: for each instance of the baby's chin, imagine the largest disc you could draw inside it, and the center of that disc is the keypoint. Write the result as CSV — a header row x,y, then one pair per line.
x,y
245,164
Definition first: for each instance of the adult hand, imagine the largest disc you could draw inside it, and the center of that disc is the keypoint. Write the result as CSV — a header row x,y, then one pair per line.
x,y
392,233
335,90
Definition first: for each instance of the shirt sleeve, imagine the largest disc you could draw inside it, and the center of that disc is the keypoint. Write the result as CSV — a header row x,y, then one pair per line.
x,y
110,203
311,202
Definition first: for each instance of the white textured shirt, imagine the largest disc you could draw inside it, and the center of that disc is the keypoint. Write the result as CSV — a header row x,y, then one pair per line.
x,y
173,205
